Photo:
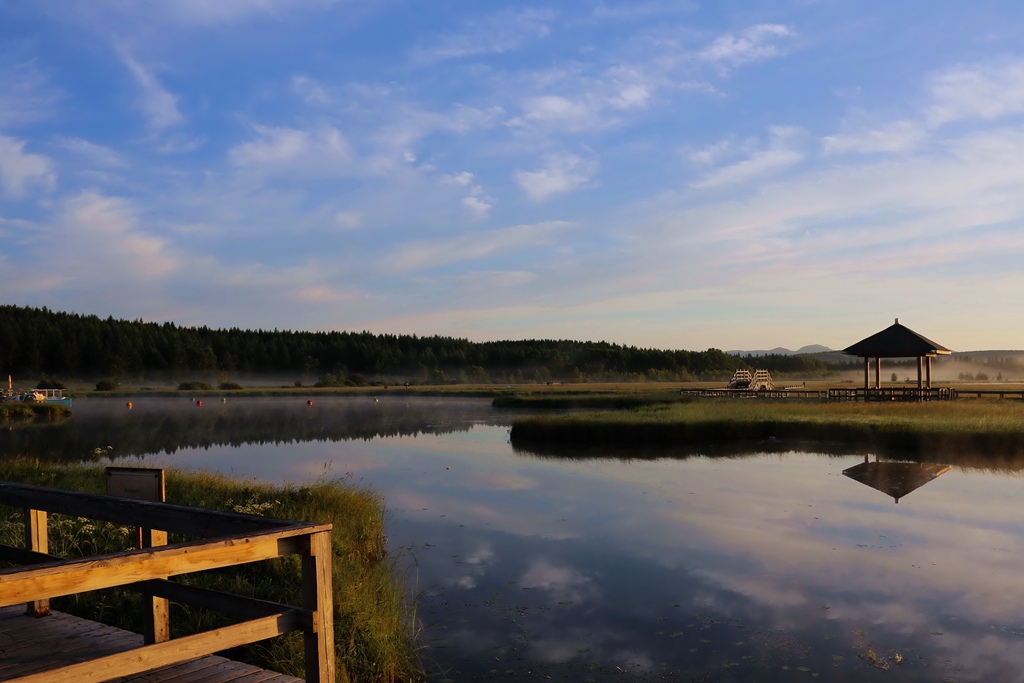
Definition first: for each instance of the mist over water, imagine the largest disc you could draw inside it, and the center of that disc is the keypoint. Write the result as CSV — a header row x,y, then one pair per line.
x,y
769,567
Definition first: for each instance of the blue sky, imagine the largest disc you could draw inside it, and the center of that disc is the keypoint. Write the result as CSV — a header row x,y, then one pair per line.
x,y
671,174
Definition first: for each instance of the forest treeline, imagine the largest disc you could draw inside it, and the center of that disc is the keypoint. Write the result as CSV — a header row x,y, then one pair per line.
x,y
38,341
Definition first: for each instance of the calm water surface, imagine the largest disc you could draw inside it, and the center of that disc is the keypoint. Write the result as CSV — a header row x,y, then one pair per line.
x,y
766,567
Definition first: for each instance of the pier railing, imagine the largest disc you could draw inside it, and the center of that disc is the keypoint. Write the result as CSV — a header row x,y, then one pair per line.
x,y
804,394
221,539
892,394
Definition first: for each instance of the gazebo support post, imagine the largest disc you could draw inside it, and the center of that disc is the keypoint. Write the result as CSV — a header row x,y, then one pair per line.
x,y
928,382
878,372
867,372
920,383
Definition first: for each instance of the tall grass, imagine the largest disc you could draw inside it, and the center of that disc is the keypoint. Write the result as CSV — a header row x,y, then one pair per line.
x,y
17,411
373,619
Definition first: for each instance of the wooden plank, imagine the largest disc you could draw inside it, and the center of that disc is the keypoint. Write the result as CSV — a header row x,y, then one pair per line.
x,y
237,605
117,569
21,556
173,518
61,631
161,654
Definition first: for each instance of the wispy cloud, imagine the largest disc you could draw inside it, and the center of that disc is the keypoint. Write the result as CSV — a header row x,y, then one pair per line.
x,y
94,154
497,33
980,92
780,154
157,103
20,170
473,246
898,136
560,174
276,150
26,96
750,45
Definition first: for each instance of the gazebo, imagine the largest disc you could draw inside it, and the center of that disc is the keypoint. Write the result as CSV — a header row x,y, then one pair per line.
x,y
897,341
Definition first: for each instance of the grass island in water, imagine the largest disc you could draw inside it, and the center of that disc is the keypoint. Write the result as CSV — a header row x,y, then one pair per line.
x,y
942,427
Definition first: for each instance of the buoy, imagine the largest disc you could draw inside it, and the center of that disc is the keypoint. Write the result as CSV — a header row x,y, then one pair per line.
x,y
224,399
129,405
376,400
309,402
199,403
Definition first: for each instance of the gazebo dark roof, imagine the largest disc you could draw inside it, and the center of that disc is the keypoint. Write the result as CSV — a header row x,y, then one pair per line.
x,y
896,341
895,479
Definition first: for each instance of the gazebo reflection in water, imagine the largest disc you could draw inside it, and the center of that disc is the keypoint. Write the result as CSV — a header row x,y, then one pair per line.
x,y
896,479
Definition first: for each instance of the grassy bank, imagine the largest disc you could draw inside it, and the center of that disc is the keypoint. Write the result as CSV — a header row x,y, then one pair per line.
x,y
16,411
915,428
373,620
572,398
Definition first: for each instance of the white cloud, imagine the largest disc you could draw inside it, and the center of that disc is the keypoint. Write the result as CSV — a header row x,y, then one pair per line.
x,y
103,233
561,173
311,91
778,156
478,206
97,155
159,105
193,12
559,111
293,151
349,220
498,33
630,11
898,136
717,152
753,44
473,246
985,92
19,170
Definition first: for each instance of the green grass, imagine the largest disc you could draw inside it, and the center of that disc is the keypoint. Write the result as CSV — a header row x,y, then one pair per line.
x,y
948,426
17,411
373,620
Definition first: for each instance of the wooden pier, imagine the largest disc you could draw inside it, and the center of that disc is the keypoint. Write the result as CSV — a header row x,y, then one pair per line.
x,y
871,394
38,649
219,540
883,394
803,394
888,394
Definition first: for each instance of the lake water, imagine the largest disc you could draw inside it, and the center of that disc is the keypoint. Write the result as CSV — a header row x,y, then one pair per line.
x,y
760,567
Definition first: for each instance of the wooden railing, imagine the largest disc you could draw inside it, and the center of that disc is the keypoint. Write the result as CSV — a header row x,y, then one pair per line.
x,y
893,394
223,539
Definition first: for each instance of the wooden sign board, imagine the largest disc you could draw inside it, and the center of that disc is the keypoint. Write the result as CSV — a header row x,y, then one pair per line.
x,y
139,483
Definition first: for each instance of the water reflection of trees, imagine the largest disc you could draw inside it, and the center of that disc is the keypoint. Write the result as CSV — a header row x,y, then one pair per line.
x,y
166,426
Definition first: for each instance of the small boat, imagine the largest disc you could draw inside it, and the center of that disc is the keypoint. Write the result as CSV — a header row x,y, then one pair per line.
x,y
36,396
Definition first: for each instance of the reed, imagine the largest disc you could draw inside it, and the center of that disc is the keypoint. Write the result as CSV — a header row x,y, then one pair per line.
x,y
16,411
374,638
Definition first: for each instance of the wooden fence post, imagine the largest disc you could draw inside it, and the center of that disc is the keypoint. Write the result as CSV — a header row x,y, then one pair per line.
x,y
156,612
318,596
37,538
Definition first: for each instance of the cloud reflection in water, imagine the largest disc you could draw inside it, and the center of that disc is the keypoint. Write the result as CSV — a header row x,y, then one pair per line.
x,y
677,567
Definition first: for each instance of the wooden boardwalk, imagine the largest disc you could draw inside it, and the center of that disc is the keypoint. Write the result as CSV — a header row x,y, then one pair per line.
x,y
31,646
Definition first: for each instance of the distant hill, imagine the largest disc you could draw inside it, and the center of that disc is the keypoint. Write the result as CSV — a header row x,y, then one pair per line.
x,y
782,351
